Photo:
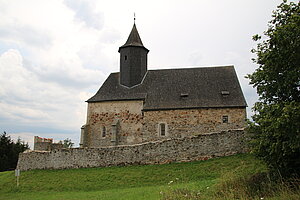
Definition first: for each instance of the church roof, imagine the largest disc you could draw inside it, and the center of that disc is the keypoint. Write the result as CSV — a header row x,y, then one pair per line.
x,y
134,39
205,87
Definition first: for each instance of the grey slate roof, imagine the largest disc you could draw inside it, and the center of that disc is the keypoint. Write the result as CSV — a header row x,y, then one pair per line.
x,y
205,87
134,39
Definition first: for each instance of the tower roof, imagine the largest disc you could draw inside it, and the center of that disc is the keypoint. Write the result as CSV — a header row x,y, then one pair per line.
x,y
134,39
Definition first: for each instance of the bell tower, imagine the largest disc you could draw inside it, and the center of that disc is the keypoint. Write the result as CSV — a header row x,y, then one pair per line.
x,y
133,60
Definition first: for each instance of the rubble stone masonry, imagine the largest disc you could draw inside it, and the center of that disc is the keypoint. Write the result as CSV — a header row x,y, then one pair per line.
x,y
189,148
188,122
125,115
133,125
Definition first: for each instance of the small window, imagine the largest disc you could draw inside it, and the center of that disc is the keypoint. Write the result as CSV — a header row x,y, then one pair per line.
x,y
225,93
125,57
225,119
184,95
162,129
103,131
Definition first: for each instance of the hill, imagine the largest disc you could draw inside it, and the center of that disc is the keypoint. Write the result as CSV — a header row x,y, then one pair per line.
x,y
129,182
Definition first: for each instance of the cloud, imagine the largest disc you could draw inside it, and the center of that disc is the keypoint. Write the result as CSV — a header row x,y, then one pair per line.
x,y
25,35
50,63
86,12
28,101
26,137
57,48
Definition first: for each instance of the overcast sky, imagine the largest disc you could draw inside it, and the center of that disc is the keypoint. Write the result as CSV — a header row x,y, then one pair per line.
x,y
55,54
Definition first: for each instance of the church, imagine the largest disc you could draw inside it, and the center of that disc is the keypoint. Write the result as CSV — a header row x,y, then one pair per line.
x,y
137,105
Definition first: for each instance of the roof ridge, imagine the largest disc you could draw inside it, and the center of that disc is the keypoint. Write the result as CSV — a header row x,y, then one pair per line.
x,y
190,68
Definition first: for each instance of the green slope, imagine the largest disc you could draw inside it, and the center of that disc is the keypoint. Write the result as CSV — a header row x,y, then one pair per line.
x,y
130,182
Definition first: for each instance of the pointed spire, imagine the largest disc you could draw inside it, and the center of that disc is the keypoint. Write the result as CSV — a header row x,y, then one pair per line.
x,y
134,39
133,60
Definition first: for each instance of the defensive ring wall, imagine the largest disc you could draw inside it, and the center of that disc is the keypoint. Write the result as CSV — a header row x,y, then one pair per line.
x,y
191,148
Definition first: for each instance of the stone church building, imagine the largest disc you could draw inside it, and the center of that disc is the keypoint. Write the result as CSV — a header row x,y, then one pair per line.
x,y
138,105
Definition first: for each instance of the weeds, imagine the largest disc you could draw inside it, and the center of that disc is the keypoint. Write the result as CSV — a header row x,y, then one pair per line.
x,y
231,186
180,194
256,186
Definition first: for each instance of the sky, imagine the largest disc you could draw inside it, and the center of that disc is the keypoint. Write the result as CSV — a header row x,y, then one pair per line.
x,y
55,54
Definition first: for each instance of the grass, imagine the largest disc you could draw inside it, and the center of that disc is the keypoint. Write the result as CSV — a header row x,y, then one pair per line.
x,y
193,180
256,186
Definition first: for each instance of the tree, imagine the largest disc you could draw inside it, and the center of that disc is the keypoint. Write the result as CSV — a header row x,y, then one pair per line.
x,y
276,126
9,152
67,143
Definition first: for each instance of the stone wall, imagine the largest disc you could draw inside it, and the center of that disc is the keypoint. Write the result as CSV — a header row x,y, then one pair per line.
x,y
169,150
133,125
188,122
42,146
45,144
125,115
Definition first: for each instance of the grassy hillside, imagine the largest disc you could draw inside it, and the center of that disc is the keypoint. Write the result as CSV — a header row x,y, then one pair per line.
x,y
130,182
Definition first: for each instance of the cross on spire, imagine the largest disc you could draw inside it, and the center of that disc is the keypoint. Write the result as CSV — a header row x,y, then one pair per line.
x,y
134,17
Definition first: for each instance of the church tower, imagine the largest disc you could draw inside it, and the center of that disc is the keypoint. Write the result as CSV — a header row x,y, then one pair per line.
x,y
133,60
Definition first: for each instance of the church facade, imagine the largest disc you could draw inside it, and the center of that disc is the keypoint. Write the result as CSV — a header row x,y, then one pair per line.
x,y
138,105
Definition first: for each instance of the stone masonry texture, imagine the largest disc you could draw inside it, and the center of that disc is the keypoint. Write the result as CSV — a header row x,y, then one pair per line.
x,y
138,126
104,114
189,148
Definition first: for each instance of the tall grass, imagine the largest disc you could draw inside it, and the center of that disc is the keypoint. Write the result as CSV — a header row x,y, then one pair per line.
x,y
256,186
247,187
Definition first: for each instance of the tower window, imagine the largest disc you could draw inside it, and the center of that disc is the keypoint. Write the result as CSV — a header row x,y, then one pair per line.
x,y
125,57
225,119
162,129
225,93
184,94
103,131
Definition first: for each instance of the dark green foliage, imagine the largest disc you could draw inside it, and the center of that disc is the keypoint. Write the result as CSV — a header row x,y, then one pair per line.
x,y
276,127
277,136
68,143
277,78
9,152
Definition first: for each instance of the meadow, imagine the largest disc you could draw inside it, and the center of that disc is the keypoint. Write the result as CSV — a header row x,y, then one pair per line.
x,y
210,179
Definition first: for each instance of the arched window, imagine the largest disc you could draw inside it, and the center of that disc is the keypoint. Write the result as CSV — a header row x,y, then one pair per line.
x,y
162,129
103,131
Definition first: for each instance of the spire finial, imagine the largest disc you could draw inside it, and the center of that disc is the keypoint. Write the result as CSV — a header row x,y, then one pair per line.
x,y
134,17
